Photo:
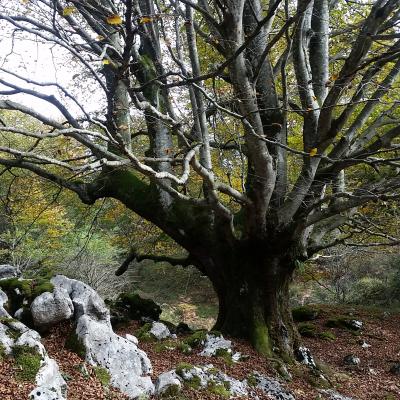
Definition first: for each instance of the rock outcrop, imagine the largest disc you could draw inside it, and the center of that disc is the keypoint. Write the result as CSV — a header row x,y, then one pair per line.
x,y
15,335
128,366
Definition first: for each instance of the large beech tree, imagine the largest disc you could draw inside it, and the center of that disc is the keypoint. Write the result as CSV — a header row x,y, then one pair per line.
x,y
229,124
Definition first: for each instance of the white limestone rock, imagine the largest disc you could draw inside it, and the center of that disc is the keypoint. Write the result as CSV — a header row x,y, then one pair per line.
x,y
168,382
50,384
132,338
128,366
160,330
49,309
214,343
5,341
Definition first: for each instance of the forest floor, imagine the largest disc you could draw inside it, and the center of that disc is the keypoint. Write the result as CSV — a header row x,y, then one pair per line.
x,y
369,381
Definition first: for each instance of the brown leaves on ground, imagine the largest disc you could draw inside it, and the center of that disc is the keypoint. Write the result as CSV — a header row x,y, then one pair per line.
x,y
370,381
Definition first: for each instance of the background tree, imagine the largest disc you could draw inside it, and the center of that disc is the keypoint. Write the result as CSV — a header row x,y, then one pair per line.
x,y
227,124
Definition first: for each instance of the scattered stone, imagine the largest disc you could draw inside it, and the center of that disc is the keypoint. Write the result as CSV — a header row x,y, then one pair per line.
x,y
355,324
304,356
48,309
272,387
214,344
351,360
395,369
168,384
364,344
160,331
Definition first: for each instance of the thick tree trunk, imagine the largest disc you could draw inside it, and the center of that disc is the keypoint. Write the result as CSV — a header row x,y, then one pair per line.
x,y
254,305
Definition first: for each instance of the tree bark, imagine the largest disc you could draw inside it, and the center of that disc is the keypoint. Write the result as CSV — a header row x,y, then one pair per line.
x,y
253,296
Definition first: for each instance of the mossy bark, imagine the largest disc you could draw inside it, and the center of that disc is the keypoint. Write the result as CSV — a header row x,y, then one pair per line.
x,y
254,305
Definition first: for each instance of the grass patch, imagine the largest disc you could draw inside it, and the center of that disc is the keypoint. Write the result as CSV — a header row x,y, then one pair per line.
x,y
143,333
102,375
28,361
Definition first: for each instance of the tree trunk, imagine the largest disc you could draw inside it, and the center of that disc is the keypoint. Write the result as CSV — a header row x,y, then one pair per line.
x,y
254,304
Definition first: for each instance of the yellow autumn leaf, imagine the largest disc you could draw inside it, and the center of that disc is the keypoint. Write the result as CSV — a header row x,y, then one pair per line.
x,y
68,11
105,61
145,20
114,20
313,152
100,37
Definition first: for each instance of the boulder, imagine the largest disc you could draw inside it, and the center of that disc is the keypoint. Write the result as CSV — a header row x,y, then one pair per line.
x,y
6,342
127,365
49,309
214,344
136,307
8,271
160,330
168,383
132,338
50,383
85,300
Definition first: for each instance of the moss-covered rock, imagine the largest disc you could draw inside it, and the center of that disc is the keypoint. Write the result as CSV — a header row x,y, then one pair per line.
x,y
305,313
307,330
28,361
341,322
136,307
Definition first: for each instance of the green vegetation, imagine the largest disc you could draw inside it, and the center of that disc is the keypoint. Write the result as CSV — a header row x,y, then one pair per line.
x,y
184,348
75,344
102,375
143,333
182,368
28,361
251,380
225,354
2,352
326,335
196,339
220,389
